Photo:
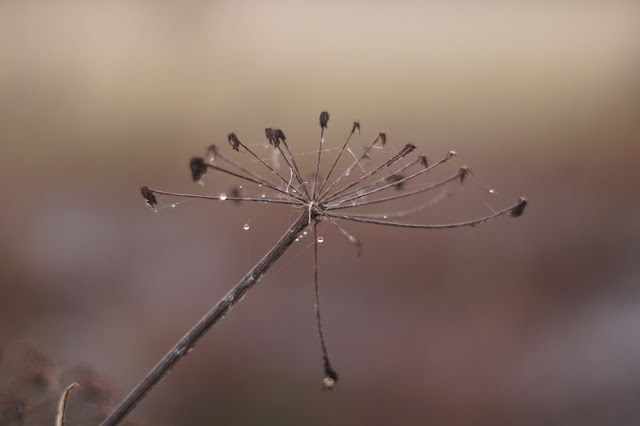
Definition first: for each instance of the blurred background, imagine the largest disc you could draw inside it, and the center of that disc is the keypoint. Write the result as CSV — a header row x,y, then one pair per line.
x,y
531,321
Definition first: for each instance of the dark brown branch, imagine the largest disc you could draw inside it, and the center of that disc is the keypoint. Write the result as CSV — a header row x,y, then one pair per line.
x,y
213,316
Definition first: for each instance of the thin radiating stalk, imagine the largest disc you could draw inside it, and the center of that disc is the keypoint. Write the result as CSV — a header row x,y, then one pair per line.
x,y
211,197
229,172
349,169
263,181
508,210
315,178
330,376
296,170
345,197
405,213
205,323
286,182
395,197
352,239
353,130
408,148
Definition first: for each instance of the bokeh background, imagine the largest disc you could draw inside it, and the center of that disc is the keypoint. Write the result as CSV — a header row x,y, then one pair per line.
x,y
531,321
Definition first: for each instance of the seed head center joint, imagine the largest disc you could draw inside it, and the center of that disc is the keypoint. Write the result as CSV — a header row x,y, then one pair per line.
x,y
316,211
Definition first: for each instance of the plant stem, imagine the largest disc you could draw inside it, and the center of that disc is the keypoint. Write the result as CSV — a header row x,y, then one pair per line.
x,y
205,323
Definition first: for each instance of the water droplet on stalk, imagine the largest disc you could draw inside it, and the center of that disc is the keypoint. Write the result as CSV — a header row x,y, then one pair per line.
x,y
246,227
320,239
223,196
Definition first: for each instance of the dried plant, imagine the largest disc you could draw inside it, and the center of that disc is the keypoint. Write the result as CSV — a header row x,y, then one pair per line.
x,y
317,200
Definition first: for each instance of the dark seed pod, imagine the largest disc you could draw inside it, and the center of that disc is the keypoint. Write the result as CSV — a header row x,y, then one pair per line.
x,y
463,173
279,136
324,119
149,196
519,208
235,194
396,178
234,141
423,161
212,151
383,138
271,137
356,126
408,148
198,168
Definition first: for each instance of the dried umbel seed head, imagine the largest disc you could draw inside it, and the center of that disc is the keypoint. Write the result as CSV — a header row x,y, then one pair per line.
x,y
519,208
324,119
198,168
149,196
383,138
463,173
234,141
423,160
279,136
396,178
356,126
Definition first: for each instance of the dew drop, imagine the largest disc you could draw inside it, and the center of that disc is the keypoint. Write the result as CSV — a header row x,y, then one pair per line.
x,y
240,186
223,196
304,233
259,186
320,239
263,195
493,191
246,227
384,217
173,206
297,239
